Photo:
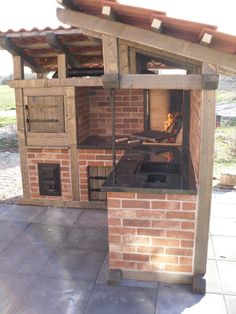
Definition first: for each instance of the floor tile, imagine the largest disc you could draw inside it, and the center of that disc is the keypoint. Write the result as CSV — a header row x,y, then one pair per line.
x,y
67,264
176,299
223,226
9,230
93,219
22,213
12,289
225,248
212,277
210,253
3,207
223,210
102,276
24,259
227,271
54,296
230,303
3,246
60,216
46,235
118,300
86,239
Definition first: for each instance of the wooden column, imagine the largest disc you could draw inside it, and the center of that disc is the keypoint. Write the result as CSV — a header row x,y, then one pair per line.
x,y
132,61
71,109
110,54
18,68
207,125
22,141
62,65
123,59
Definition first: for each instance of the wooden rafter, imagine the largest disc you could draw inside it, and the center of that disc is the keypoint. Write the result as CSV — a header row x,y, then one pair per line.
x,y
148,38
59,47
8,45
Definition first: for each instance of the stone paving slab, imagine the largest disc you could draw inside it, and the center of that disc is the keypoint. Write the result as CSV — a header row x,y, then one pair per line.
x,y
22,213
55,296
60,217
231,303
74,264
224,248
176,299
117,300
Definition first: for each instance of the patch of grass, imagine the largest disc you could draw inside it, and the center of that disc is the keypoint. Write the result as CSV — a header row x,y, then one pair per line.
x,y
7,98
7,121
225,96
225,149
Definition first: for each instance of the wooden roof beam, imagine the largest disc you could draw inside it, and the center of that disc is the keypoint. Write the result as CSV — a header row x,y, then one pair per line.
x,y
59,47
8,45
67,4
149,39
108,13
156,25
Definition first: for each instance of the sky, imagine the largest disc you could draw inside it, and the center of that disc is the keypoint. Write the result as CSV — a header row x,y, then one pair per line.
x,y
15,14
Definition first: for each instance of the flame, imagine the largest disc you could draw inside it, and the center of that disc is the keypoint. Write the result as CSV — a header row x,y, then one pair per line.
x,y
168,122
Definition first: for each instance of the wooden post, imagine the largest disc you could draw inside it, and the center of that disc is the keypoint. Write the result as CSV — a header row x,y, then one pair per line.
x,y
71,109
18,68
207,126
110,54
132,61
123,59
22,141
62,65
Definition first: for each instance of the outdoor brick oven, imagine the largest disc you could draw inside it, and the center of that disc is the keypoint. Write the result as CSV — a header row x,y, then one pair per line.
x,y
96,135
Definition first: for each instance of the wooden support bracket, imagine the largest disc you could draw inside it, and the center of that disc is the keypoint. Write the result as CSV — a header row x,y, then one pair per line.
x,y
8,45
110,81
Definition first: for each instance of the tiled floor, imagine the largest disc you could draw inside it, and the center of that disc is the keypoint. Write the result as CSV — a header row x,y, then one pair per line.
x,y
53,260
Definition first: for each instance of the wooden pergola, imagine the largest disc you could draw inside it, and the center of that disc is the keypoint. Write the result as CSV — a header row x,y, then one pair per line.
x,y
121,39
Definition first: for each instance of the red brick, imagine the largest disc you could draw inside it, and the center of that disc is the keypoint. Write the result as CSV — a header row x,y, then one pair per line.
x,y
165,224
166,242
135,240
122,230
188,206
180,252
135,257
113,203
136,223
180,215
150,249
187,225
151,196
150,267
35,150
122,213
181,197
122,265
154,214
166,205
114,222
186,243
135,204
115,256
179,268
185,235
120,195
151,232
164,259
185,260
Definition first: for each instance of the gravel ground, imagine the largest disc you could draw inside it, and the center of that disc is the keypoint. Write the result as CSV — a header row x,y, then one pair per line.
x,y
10,175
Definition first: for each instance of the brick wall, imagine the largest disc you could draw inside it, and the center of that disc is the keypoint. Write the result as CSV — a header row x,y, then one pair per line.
x,y
49,156
129,112
195,135
93,157
82,112
151,232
